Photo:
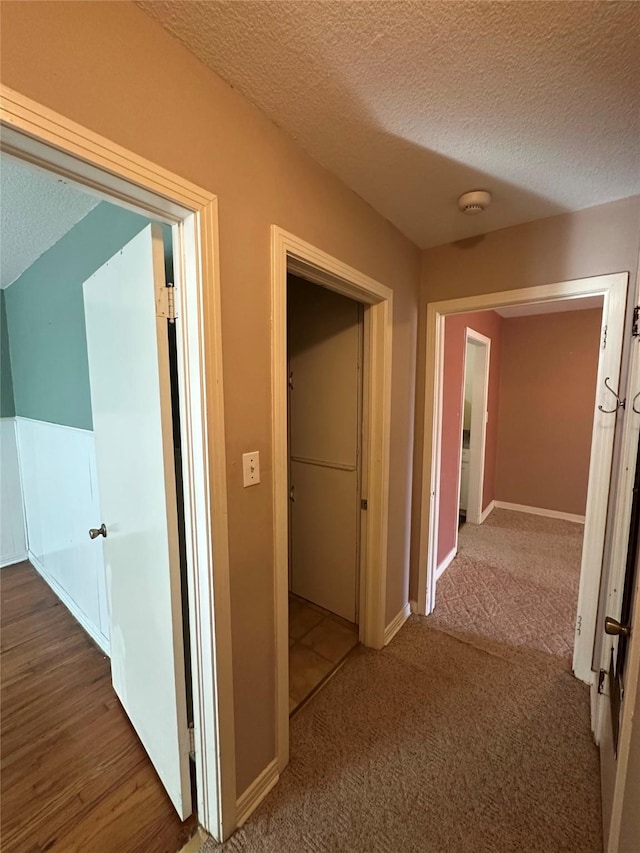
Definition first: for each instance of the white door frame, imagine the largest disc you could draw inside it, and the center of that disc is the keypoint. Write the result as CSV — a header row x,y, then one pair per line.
x,y
291,254
613,288
478,433
40,136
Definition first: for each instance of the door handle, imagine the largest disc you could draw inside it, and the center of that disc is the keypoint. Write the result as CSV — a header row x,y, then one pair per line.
x,y
98,531
613,627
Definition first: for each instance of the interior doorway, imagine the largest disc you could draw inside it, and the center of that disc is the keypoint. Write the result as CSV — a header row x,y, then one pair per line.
x,y
50,141
293,256
612,292
325,332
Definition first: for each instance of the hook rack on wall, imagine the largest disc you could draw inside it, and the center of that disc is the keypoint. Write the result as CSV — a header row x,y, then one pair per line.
x,y
620,404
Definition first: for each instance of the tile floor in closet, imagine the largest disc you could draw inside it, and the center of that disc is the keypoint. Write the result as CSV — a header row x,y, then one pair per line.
x,y
318,642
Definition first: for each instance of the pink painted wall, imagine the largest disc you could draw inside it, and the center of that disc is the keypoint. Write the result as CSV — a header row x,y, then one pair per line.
x,y
488,323
547,395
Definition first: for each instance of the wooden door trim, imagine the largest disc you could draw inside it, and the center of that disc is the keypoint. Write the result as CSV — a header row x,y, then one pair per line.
x,y
40,136
291,254
613,288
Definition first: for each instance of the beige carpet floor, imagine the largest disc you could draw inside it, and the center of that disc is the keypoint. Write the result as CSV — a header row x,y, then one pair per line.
x,y
515,579
440,743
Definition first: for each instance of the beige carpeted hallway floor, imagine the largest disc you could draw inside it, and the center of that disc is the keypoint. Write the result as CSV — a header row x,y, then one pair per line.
x,y
440,743
515,579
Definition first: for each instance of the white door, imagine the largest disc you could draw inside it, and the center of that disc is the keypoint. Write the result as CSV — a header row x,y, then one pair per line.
x,y
325,345
131,401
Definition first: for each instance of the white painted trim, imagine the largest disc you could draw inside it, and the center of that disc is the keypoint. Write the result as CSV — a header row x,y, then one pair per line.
x,y
614,290
414,606
486,512
446,562
70,604
65,427
479,414
12,559
249,801
536,510
35,133
396,623
291,254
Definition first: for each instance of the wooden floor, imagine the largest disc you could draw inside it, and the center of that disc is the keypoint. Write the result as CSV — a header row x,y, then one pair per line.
x,y
73,774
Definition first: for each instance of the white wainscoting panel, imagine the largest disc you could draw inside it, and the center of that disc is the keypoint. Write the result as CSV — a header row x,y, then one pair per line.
x,y
61,503
13,540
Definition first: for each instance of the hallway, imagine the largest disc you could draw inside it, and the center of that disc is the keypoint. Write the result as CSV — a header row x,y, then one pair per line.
x,y
515,580
439,743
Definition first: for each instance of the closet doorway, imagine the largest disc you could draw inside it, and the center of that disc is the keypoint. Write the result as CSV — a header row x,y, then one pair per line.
x,y
372,303
325,339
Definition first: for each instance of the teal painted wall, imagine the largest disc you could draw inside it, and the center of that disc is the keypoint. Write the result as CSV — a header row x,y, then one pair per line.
x,y
7,404
45,318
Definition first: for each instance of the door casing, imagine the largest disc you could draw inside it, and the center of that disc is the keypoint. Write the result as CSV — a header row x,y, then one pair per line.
x,y
34,133
482,346
613,289
291,254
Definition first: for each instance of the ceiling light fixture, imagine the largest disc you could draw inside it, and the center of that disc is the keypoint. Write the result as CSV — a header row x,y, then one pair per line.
x,y
474,202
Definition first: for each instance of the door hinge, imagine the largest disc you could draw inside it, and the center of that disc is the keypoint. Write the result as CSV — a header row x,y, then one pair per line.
x,y
635,328
192,741
166,302
604,337
579,625
601,677
364,504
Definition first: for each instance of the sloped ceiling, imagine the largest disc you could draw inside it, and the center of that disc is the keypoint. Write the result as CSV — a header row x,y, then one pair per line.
x,y
36,209
413,103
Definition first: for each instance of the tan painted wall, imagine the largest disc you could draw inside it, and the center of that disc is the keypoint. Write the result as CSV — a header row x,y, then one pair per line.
x,y
596,241
110,68
545,420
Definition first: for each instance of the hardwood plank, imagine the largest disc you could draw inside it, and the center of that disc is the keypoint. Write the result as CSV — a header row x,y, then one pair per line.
x,y
74,775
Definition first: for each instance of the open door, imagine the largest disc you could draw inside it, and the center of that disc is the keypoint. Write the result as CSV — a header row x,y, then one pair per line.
x,y
131,399
618,633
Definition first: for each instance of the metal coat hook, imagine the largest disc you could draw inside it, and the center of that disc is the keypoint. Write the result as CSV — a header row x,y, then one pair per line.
x,y
633,404
620,404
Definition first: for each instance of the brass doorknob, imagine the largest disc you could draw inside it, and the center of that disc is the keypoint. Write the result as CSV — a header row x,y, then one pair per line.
x,y
613,627
98,531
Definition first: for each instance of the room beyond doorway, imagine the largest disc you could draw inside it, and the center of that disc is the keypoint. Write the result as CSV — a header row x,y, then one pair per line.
x,y
73,766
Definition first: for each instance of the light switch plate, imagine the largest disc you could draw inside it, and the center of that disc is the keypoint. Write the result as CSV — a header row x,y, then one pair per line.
x,y
251,468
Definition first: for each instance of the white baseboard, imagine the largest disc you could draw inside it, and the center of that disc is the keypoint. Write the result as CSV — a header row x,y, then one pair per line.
x,y
71,606
447,561
414,606
249,801
396,623
484,515
536,510
12,559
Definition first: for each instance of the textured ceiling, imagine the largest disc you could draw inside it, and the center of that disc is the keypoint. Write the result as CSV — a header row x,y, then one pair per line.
x,y
36,210
413,103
